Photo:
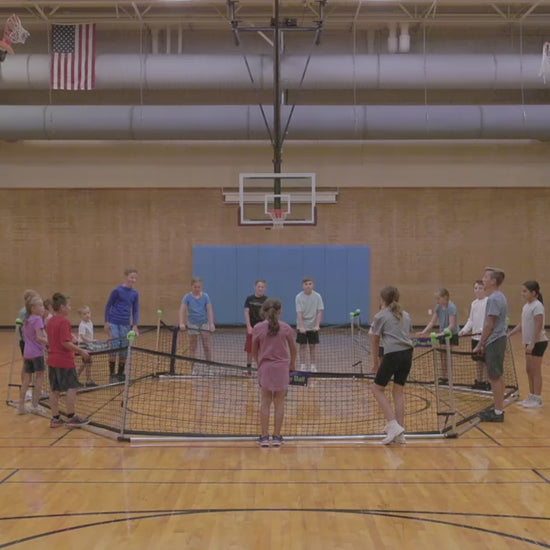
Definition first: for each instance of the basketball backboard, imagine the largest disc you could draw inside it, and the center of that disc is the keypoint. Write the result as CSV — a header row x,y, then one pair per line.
x,y
292,194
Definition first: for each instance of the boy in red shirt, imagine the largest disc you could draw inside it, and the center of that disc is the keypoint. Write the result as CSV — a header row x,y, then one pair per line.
x,y
61,366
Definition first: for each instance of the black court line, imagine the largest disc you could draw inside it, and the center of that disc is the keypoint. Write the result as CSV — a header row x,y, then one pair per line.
x,y
541,476
488,435
12,473
183,469
280,483
405,514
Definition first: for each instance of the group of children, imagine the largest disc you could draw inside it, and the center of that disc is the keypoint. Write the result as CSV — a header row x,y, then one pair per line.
x,y
44,326
271,344
40,328
487,324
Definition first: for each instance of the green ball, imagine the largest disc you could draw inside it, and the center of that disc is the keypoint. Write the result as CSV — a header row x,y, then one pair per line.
x,y
433,335
357,311
351,314
131,336
159,312
447,332
18,321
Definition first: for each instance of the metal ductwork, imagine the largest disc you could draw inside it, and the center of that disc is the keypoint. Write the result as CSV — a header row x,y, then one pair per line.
x,y
330,72
114,122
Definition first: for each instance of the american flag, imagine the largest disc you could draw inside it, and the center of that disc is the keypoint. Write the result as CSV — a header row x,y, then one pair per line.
x,y
73,57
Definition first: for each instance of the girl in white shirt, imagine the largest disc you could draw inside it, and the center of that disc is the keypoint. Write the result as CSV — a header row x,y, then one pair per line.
x,y
534,339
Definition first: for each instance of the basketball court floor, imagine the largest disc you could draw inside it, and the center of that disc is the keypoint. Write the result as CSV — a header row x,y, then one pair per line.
x,y
489,488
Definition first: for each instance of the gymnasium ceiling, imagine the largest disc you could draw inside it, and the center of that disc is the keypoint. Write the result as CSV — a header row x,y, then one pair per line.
x,y
338,14
492,35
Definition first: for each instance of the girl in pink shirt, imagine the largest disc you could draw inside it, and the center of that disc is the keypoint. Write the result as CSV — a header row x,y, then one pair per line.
x,y
275,354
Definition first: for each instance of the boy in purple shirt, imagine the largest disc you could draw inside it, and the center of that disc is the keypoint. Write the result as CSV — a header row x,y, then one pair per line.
x,y
121,315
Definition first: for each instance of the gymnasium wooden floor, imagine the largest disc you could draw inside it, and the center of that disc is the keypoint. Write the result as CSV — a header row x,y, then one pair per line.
x,y
62,489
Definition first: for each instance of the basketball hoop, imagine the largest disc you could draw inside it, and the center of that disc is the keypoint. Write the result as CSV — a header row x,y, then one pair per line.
x,y
278,217
14,33
544,70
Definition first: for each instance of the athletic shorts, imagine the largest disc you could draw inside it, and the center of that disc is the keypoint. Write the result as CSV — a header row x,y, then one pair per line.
x,y
453,340
248,343
539,349
36,364
397,364
195,330
309,337
62,379
494,357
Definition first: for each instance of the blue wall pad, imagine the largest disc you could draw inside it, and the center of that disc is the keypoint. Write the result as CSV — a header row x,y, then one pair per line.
x,y
341,274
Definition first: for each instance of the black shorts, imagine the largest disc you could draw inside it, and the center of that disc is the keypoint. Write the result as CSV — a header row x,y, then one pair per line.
x,y
309,337
36,364
453,340
397,364
539,349
62,379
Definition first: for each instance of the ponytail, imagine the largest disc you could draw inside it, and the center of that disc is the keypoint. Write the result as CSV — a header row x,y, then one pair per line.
x,y
390,297
533,286
270,310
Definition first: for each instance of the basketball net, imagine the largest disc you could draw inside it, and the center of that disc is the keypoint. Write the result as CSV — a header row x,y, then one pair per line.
x,y
544,70
278,217
14,33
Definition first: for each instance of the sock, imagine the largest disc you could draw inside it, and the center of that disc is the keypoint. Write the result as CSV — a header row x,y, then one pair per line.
x,y
112,368
497,411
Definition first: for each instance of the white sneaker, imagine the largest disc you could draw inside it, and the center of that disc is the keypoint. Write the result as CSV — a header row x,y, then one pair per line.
x,y
313,367
28,395
535,403
303,367
400,439
528,399
392,429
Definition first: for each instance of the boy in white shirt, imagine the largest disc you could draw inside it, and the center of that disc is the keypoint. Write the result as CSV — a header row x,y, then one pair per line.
x,y
474,326
309,313
86,336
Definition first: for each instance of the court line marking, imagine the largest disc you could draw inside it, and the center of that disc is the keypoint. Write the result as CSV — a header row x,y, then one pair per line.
x,y
5,479
546,479
382,513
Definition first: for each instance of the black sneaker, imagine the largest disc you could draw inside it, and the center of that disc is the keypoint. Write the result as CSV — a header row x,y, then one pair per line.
x,y
491,416
263,441
276,440
443,381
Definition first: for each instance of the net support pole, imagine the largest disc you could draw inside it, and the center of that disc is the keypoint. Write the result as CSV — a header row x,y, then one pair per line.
x,y
450,373
352,322
173,351
131,336
157,346
15,347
